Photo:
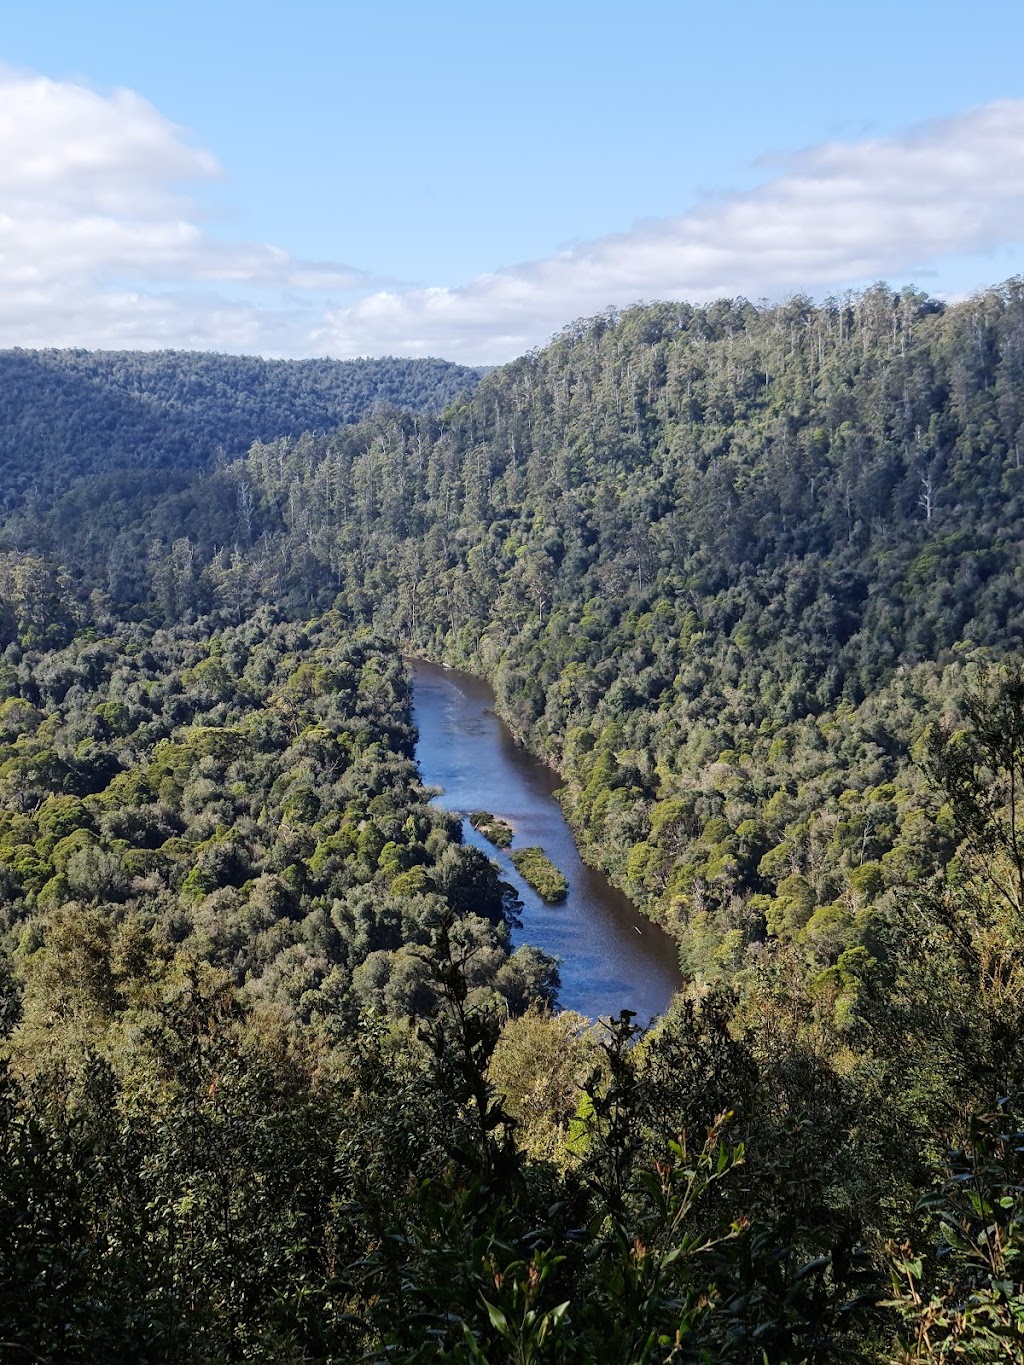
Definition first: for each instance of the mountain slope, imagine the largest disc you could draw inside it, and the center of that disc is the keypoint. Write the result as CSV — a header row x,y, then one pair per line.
x,y
271,1082
721,565
68,415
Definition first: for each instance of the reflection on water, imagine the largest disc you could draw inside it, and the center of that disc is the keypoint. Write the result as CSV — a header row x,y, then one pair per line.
x,y
611,957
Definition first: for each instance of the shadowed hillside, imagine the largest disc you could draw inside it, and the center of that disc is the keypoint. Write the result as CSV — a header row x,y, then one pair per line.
x,y
68,415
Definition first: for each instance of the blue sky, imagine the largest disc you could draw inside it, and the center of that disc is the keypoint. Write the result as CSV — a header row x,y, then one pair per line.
x,y
464,179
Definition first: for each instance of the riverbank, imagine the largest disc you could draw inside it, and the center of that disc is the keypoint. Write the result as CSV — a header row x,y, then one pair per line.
x,y
612,957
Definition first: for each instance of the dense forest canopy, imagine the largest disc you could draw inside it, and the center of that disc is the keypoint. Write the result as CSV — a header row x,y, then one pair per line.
x,y
722,565
275,1085
68,415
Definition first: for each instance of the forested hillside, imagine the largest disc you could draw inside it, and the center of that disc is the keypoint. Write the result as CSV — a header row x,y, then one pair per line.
x,y
69,415
274,1085
251,794
723,565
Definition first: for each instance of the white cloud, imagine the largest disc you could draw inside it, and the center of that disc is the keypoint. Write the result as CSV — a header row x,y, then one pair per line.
x,y
63,144
101,243
838,214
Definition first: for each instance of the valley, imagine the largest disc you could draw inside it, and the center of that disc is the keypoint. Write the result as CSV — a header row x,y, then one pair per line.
x,y
297,1067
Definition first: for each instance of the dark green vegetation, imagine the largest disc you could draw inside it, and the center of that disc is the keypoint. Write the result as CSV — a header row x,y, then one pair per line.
x,y
275,1087
492,827
69,415
723,567
536,867
249,795
121,467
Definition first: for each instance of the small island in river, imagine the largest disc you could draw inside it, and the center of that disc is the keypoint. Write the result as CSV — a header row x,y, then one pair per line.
x,y
536,867
492,827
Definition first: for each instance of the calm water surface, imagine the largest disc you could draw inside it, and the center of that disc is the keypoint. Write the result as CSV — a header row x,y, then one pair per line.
x,y
611,958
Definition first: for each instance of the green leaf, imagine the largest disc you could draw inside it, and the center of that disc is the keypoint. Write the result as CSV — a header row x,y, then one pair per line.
x,y
498,1319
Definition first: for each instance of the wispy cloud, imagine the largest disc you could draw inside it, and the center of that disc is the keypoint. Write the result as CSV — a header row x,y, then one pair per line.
x,y
103,241
836,214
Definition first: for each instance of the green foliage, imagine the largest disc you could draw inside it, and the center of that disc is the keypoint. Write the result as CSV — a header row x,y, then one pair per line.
x,y
260,809
246,1166
539,1067
536,867
498,831
275,1085
722,565
69,415
962,1298
724,562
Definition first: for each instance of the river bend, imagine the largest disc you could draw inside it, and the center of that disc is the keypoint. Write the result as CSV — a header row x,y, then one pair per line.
x,y
611,958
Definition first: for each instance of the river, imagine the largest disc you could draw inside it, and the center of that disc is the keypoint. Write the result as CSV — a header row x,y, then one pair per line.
x,y
610,957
